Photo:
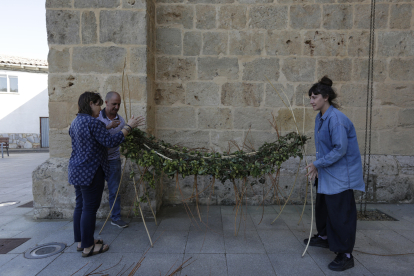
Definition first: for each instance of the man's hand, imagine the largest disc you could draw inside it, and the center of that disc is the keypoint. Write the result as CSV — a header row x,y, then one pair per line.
x,y
312,171
113,124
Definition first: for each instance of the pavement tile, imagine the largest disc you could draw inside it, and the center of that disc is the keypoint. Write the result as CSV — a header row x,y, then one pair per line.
x,y
17,211
370,225
249,264
156,264
211,223
4,220
20,224
45,227
244,242
408,234
258,210
205,265
67,264
266,222
175,211
294,264
169,241
387,265
390,241
243,222
21,266
398,225
5,258
4,234
175,224
281,241
205,242
130,242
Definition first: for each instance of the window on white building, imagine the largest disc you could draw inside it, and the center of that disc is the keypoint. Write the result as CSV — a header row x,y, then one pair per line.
x,y
9,83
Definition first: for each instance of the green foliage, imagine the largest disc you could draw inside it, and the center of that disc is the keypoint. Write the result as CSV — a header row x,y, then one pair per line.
x,y
142,149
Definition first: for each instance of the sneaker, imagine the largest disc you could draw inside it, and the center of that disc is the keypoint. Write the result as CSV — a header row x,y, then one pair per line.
x,y
317,241
341,262
120,223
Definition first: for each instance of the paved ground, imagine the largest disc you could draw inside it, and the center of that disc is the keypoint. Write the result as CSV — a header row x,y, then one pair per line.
x,y
259,249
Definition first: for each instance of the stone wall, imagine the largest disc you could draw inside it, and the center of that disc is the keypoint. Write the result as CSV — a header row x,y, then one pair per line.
x,y
23,140
197,70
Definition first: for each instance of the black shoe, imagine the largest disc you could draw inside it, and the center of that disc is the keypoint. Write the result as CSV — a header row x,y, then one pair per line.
x,y
317,241
341,262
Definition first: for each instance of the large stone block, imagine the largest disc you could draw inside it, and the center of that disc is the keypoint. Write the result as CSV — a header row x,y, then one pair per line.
x,y
138,60
401,69
169,93
97,3
176,14
203,94
135,87
211,67
192,43
392,139
58,60
242,94
283,43
134,4
382,118
400,16
98,59
337,17
53,4
353,95
259,69
336,69
255,139
268,17
363,15
323,43
58,115
299,69
215,43
232,17
360,69
358,44
185,138
390,189
396,43
68,88
59,143
174,68
286,122
221,141
253,118
169,41
283,95
246,43
400,95
405,164
89,28
175,117
62,26
123,27
406,117
305,16
301,94
205,17
215,118
203,1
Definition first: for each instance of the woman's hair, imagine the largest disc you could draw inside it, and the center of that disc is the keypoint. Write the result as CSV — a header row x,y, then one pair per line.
x,y
324,87
84,102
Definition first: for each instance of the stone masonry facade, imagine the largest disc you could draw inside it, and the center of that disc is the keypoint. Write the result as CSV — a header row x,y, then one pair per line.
x,y
23,140
198,70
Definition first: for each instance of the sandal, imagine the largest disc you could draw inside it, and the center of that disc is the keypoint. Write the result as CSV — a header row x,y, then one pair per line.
x,y
81,249
92,252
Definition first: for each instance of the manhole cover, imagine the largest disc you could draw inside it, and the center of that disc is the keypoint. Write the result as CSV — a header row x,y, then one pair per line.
x,y
8,203
44,250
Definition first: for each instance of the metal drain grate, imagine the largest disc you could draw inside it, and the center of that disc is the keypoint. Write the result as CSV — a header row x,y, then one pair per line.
x,y
27,205
8,203
7,245
44,250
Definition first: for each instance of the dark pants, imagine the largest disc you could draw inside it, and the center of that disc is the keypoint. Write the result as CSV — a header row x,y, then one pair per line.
x,y
88,199
336,217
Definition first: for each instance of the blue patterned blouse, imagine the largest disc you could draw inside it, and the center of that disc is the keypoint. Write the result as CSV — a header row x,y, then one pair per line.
x,y
90,143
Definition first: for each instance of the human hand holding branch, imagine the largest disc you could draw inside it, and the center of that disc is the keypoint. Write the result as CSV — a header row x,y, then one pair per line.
x,y
312,171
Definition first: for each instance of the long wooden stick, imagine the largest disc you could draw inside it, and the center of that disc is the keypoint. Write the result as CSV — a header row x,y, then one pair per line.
x,y
119,186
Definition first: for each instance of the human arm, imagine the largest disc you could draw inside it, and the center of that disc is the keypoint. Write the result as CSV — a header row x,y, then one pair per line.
x,y
132,123
312,171
339,141
113,124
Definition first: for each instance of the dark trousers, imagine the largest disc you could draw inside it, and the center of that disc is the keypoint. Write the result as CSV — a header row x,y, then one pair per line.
x,y
88,199
336,217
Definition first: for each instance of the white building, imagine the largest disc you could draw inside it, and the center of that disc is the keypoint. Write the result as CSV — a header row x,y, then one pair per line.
x,y
24,113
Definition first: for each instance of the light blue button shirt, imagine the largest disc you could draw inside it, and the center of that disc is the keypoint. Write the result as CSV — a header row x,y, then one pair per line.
x,y
113,153
338,159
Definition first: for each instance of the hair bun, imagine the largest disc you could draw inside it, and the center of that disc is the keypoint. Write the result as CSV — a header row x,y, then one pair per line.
x,y
326,81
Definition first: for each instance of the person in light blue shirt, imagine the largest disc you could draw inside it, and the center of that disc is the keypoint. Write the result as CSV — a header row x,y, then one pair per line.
x,y
337,172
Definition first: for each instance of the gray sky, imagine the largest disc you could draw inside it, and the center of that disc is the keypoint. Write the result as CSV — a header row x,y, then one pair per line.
x,y
23,28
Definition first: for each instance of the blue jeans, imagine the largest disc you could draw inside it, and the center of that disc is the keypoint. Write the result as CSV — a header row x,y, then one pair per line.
x,y
113,184
88,199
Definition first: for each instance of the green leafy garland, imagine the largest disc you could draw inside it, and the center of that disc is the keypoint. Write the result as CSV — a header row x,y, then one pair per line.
x,y
158,157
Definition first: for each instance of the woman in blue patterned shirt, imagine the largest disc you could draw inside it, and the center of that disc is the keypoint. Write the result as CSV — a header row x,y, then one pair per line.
x,y
88,168
338,172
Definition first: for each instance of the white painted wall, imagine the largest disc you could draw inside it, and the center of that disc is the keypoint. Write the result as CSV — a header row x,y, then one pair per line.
x,y
20,112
